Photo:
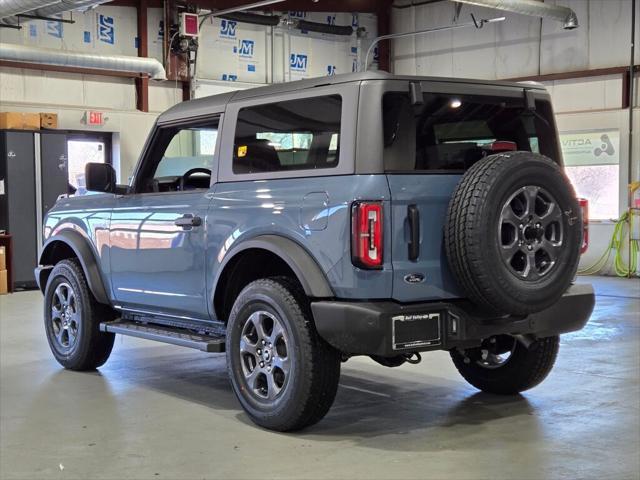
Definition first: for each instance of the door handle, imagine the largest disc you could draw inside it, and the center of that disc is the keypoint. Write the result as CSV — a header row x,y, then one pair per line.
x,y
414,232
188,221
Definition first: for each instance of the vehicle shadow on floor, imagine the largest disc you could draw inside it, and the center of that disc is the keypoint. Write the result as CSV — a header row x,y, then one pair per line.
x,y
425,417
391,410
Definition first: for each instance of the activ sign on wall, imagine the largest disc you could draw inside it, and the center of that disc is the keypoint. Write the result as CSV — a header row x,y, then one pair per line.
x,y
591,161
593,147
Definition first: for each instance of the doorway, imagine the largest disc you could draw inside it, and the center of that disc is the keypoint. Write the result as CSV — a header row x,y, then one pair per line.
x,y
83,148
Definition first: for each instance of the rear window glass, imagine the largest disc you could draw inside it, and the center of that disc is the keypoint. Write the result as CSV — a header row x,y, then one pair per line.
x,y
452,132
294,135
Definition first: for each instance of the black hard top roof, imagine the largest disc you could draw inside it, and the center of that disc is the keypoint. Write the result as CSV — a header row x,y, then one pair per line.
x,y
217,103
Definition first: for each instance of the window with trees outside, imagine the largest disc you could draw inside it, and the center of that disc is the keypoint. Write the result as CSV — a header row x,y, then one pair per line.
x,y
592,163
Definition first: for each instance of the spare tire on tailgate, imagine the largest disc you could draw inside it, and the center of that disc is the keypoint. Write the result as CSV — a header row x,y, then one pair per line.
x,y
513,233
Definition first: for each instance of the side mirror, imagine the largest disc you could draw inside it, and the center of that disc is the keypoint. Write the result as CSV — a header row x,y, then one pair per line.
x,y
100,177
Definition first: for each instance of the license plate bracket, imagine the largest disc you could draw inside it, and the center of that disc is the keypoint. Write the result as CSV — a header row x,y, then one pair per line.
x,y
416,330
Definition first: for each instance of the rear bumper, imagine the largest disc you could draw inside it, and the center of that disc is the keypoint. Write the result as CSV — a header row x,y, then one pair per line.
x,y
388,328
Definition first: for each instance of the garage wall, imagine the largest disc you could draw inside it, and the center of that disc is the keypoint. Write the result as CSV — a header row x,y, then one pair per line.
x,y
229,51
517,47
231,56
525,46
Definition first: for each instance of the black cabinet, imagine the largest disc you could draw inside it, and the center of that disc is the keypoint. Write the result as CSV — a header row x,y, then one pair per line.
x,y
33,173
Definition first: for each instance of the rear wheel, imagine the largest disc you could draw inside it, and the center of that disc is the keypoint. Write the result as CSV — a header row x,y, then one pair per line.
x,y
284,375
505,365
72,319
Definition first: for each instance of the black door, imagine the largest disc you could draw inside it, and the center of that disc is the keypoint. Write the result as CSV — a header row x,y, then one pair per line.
x,y
55,178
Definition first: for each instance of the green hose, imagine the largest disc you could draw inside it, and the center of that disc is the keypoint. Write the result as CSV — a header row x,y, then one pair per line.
x,y
617,245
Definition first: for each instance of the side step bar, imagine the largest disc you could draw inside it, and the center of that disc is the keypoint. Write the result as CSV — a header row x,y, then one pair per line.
x,y
175,336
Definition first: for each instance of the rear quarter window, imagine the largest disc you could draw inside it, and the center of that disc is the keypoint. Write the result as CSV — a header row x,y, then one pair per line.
x,y
287,136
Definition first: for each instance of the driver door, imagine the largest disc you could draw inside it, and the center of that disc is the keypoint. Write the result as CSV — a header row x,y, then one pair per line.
x,y
157,234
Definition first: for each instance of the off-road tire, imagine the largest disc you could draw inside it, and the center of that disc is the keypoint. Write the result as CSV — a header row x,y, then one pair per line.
x,y
313,381
472,234
91,348
524,369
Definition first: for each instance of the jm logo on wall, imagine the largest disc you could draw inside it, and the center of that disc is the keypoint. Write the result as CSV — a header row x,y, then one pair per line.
x,y
246,48
331,70
54,29
229,77
298,62
228,29
106,29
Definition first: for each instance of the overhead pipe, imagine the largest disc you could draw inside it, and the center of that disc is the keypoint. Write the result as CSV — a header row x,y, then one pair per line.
x,y
239,8
117,63
275,20
253,18
364,66
307,26
9,8
48,9
533,8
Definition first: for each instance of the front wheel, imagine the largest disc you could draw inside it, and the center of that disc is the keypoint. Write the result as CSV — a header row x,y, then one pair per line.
x,y
505,365
284,375
72,319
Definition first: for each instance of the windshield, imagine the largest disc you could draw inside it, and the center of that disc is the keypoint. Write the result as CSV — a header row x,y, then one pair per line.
x,y
452,132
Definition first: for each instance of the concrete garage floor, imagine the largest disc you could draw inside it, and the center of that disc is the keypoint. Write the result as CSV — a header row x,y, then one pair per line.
x,y
156,411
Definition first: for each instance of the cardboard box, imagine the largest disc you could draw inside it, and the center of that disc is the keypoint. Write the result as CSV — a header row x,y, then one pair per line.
x,y
3,258
48,120
4,285
20,121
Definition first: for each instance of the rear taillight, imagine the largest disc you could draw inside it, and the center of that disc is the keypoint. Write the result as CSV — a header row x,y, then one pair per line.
x,y
366,231
584,206
502,146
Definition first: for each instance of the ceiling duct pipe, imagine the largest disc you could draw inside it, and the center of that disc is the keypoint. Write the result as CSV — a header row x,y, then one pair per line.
x,y
50,10
274,20
533,8
117,63
306,26
253,18
9,8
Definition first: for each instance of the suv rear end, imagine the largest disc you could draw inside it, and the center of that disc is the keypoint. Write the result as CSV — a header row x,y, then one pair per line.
x,y
424,135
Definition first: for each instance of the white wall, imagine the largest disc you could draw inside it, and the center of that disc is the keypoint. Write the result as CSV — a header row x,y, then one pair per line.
x,y
71,95
228,50
222,66
517,47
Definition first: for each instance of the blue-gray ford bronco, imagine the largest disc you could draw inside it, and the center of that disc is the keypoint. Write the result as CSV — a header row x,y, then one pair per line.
x,y
296,225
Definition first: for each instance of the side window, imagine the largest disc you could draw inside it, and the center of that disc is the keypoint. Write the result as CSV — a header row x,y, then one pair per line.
x,y
181,160
293,135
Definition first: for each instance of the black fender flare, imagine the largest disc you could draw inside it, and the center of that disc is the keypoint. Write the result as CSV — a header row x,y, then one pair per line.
x,y
311,277
85,255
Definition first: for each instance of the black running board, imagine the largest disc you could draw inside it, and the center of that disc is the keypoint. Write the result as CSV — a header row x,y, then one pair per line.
x,y
175,336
